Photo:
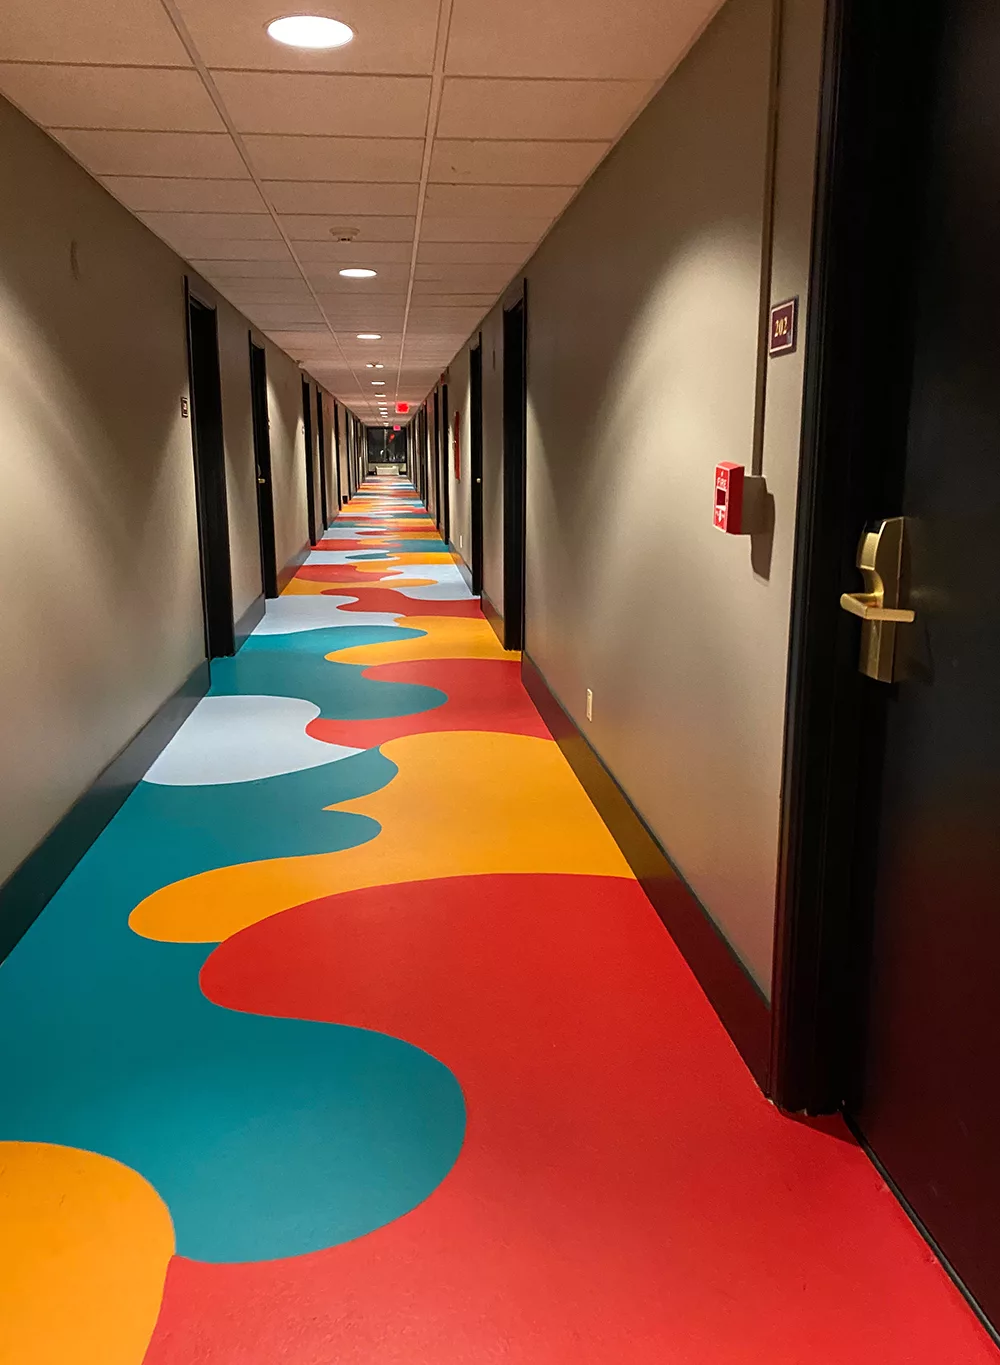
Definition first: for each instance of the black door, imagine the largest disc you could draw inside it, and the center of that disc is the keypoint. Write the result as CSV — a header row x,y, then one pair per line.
x,y
476,464
210,479
262,459
321,445
307,421
515,416
445,468
436,458
929,1104
340,497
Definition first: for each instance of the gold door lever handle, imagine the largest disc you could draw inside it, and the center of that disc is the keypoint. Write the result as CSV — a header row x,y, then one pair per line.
x,y
868,605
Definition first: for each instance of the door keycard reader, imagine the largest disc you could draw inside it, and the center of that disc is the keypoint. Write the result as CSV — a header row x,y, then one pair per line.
x,y
728,515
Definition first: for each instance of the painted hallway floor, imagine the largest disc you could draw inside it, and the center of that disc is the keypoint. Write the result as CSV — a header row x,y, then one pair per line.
x,y
354,1040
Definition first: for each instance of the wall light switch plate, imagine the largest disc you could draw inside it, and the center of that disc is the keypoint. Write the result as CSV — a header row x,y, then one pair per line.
x,y
460,545
184,406
590,704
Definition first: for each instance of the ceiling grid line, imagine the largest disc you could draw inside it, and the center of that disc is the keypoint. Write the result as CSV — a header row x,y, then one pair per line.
x,y
181,29
437,148
445,11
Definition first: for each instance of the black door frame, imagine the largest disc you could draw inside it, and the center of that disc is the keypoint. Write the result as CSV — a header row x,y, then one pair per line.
x,y
436,457
871,140
336,455
476,462
321,449
262,461
445,467
515,451
209,453
307,423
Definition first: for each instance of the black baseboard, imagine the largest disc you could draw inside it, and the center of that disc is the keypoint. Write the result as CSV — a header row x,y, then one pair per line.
x,y
461,565
732,992
493,616
253,615
32,885
286,574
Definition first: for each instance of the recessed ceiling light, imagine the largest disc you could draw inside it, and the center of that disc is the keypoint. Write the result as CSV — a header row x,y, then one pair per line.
x,y
311,31
378,381
354,272
369,336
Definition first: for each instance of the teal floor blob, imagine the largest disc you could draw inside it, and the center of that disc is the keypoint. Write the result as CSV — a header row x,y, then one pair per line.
x,y
293,665
266,1137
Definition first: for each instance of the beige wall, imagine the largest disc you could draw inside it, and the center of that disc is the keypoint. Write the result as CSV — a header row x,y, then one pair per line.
x,y
342,429
329,422
288,455
643,327
241,469
101,610
459,396
492,333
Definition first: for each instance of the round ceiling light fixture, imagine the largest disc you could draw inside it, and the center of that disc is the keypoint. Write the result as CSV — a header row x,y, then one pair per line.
x,y
357,272
310,31
369,336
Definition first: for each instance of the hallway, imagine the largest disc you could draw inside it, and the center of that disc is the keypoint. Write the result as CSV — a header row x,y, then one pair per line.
x,y
353,1039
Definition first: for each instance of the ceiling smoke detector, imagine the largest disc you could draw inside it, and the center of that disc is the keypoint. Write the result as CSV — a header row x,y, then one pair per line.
x,y
344,234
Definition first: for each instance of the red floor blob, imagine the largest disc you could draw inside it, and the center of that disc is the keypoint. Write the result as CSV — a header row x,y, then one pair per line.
x,y
625,1195
361,543
388,599
483,694
349,573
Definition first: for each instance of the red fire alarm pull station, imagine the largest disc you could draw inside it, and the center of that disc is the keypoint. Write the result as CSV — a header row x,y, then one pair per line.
x,y
728,515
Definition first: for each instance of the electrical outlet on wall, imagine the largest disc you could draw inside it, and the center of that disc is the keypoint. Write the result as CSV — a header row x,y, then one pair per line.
x,y
590,704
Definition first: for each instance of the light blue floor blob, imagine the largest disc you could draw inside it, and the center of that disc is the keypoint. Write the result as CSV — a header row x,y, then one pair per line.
x,y
266,1137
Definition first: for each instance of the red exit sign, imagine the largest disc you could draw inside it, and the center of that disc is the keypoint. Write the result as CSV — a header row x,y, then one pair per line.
x,y
402,407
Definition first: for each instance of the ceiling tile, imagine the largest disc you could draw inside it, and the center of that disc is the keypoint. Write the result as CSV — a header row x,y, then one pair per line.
x,y
392,35
393,235
456,279
297,196
539,109
193,227
287,315
218,249
504,201
306,102
428,293
335,158
595,39
284,268
209,155
526,231
514,163
111,97
444,318
249,290
146,194
295,341
474,253
118,32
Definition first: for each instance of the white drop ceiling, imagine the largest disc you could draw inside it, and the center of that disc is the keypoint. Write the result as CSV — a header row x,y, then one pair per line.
x,y
446,137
